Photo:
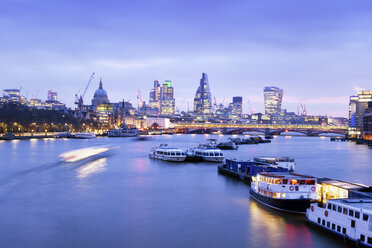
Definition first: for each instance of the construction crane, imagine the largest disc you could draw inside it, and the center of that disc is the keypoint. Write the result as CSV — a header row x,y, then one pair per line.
x,y
79,100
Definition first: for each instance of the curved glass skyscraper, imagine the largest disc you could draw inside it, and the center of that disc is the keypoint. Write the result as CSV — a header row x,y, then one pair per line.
x,y
203,98
273,100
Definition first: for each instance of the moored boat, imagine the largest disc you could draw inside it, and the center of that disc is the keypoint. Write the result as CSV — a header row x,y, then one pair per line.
x,y
205,153
229,145
166,153
84,135
284,162
348,218
284,191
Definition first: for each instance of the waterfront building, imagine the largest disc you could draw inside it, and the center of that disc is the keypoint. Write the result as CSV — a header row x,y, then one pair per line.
x,y
52,102
203,98
357,107
273,100
104,113
155,97
167,101
100,96
367,123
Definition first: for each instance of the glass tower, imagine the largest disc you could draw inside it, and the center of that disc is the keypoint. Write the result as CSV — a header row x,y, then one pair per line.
x,y
273,100
203,98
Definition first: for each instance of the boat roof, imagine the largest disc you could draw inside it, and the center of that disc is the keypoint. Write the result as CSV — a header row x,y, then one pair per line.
x,y
168,148
363,203
342,184
274,158
286,175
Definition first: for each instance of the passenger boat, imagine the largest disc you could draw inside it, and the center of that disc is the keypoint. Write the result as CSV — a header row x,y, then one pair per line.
x,y
284,191
84,135
166,153
284,162
84,153
350,219
205,153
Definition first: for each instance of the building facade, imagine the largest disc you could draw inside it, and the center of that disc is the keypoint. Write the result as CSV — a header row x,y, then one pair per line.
x,y
100,96
367,123
357,108
155,97
167,101
203,98
273,97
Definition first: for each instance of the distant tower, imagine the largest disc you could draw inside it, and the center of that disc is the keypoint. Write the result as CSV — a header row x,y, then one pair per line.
x,y
52,95
273,100
167,101
203,98
155,95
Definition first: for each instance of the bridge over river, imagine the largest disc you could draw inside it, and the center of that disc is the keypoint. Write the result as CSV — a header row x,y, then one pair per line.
x,y
267,129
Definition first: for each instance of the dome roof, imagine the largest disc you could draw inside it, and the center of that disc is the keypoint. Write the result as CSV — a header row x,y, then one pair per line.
x,y
100,92
100,96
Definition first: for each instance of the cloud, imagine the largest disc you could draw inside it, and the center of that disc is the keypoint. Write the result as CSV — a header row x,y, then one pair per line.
x,y
134,64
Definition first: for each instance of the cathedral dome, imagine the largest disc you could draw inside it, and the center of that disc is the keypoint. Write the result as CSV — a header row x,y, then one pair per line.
x,y
100,96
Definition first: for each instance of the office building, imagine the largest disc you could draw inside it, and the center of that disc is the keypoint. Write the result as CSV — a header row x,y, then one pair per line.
x,y
357,108
167,101
52,95
203,98
273,100
155,96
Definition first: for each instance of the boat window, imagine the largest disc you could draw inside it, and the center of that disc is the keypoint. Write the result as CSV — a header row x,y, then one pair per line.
x,y
334,207
318,220
362,238
329,206
302,182
182,153
353,223
365,217
357,214
339,209
221,154
279,181
351,213
310,182
344,230
293,182
328,224
285,181
323,222
345,211
216,154
178,153
173,153
211,154
204,153
333,226
369,240
338,229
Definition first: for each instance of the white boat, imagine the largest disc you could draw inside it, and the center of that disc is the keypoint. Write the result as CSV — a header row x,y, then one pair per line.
x,y
206,153
284,162
349,218
166,153
84,153
284,191
84,135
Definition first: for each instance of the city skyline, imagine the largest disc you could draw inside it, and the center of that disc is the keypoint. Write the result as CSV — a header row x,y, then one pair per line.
x,y
320,59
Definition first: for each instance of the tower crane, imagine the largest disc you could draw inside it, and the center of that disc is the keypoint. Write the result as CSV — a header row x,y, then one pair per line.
x,y
79,100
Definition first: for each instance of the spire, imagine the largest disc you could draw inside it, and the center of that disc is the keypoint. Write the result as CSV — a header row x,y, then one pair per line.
x,y
100,83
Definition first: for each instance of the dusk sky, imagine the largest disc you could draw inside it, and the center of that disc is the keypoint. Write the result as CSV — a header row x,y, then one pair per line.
x,y
318,52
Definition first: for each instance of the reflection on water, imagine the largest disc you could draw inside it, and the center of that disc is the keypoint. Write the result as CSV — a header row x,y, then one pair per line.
x,y
91,167
128,200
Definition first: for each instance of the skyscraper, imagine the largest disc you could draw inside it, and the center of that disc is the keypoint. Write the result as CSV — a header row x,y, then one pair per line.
x,y
203,98
52,95
273,100
167,101
237,107
155,94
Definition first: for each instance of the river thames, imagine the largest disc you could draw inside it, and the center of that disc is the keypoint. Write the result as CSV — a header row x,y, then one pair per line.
x,y
129,200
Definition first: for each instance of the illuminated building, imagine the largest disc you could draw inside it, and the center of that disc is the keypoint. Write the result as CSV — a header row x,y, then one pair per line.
x,y
52,95
367,123
273,100
100,96
357,107
155,96
167,101
12,95
105,113
236,107
203,98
